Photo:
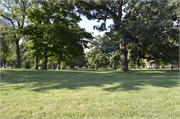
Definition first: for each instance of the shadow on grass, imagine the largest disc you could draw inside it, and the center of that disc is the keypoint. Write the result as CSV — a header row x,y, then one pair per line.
x,y
42,80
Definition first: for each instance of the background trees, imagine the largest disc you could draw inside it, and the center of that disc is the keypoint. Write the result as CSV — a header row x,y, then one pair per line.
x,y
145,33
14,14
54,27
142,30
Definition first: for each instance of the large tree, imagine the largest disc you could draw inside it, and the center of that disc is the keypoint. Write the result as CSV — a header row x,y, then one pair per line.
x,y
14,12
103,10
149,31
54,26
143,21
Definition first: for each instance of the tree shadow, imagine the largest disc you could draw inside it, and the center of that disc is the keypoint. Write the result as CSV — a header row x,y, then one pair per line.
x,y
43,80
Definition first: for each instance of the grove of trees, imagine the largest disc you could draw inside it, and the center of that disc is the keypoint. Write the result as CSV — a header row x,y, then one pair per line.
x,y
142,32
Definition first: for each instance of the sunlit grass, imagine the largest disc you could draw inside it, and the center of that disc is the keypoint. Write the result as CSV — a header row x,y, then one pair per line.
x,y
89,94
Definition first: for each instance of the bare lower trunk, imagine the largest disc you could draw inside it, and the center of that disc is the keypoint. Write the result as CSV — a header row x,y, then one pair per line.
x,y
138,62
18,54
45,58
54,67
36,62
123,56
4,64
58,65
115,63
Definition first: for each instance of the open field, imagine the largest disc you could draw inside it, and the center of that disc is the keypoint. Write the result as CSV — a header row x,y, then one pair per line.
x,y
90,94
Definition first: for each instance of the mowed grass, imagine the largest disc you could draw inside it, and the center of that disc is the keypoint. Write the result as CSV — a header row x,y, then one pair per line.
x,y
90,94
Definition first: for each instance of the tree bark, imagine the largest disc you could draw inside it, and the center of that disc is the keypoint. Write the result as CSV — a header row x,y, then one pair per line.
x,y
123,57
138,62
115,63
58,65
122,46
54,67
18,54
36,62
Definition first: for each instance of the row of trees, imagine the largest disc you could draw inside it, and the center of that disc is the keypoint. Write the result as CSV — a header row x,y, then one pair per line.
x,y
144,34
51,32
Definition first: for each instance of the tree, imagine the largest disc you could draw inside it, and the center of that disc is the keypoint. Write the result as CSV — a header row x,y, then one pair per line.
x,y
102,10
96,59
148,30
5,50
6,42
54,27
14,13
141,18
29,54
110,46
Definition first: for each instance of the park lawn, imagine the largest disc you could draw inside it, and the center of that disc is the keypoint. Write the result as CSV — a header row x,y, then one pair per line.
x,y
85,93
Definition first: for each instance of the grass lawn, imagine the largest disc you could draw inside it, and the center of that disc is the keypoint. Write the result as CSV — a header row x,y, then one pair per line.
x,y
90,94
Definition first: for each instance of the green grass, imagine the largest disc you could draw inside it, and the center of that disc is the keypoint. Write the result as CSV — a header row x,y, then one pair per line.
x,y
90,94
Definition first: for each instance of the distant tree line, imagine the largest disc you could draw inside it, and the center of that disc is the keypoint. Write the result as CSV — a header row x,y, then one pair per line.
x,y
53,39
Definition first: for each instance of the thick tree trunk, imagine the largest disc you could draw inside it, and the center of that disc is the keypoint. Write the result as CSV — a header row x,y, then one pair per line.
x,y
123,56
18,54
36,62
58,65
123,49
45,57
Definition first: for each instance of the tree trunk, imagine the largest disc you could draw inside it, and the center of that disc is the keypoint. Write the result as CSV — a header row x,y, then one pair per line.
x,y
54,67
4,63
36,62
138,62
18,54
45,49
123,56
58,65
45,57
115,63
4,60
123,49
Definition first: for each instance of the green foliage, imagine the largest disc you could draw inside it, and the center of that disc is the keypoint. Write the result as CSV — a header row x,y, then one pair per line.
x,y
63,65
145,33
27,53
58,33
13,14
96,59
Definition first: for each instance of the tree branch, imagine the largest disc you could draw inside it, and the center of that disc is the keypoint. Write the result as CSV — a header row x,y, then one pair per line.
x,y
23,14
52,55
103,7
8,19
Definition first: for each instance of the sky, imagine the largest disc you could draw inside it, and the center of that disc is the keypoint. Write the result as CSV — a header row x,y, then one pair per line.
x,y
88,25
